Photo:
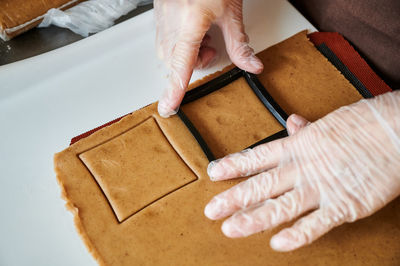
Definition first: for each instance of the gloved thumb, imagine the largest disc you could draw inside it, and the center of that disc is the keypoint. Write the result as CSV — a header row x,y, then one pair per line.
x,y
295,123
182,62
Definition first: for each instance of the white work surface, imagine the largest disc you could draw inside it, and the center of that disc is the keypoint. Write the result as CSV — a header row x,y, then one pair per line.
x,y
48,99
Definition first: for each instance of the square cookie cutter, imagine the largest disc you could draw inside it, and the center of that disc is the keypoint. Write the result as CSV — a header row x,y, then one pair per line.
x,y
221,81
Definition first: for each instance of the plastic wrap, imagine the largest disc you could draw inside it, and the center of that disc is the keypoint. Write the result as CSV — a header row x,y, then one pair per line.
x,y
91,16
18,16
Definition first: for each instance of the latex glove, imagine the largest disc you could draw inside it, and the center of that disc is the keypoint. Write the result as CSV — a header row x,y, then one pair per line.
x,y
344,167
183,44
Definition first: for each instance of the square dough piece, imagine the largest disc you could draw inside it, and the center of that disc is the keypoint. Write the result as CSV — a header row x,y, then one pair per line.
x,y
137,168
231,118
298,85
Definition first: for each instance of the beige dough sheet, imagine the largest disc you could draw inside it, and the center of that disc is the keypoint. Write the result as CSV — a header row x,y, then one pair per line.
x,y
138,187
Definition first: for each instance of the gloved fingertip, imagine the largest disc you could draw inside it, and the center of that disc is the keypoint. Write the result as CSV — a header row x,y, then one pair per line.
x,y
295,123
210,210
229,230
215,170
166,111
250,63
291,130
282,243
298,120
167,114
169,102
257,65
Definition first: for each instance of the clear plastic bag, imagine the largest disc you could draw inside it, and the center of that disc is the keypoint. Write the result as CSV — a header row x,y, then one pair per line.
x,y
90,16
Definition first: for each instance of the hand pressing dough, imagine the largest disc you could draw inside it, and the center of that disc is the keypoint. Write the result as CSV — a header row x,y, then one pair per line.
x,y
173,230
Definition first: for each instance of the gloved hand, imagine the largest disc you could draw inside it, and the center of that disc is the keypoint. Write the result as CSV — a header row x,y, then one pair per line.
x,y
183,44
344,167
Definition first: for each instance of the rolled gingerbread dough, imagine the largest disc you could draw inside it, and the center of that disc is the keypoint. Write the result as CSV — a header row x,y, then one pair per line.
x,y
18,16
138,187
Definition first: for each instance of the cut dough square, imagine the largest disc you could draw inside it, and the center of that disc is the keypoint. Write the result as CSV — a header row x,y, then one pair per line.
x,y
121,168
231,118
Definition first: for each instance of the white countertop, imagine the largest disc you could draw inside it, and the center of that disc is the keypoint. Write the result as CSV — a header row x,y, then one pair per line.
x,y
48,99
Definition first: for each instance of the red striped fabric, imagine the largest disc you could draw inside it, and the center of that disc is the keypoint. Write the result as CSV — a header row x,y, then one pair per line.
x,y
353,61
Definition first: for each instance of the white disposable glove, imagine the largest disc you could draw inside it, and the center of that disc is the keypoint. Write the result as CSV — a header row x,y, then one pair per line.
x,y
344,167
183,44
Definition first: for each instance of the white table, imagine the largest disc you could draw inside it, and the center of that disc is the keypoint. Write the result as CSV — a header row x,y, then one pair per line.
x,y
48,99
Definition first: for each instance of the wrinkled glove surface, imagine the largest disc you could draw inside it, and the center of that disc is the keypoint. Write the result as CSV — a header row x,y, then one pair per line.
x,y
182,42
341,168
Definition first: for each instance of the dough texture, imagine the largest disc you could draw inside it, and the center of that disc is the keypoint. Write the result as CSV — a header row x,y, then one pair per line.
x,y
138,187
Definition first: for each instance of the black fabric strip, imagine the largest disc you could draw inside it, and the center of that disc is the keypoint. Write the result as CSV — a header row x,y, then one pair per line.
x,y
196,135
266,98
277,135
212,85
324,49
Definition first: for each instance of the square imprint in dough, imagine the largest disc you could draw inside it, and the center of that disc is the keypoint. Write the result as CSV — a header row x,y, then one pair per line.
x,y
134,171
232,118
